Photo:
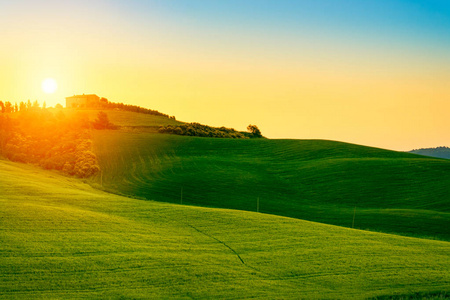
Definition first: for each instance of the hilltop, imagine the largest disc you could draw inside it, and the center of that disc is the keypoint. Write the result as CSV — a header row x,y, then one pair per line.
x,y
61,238
127,120
139,122
60,139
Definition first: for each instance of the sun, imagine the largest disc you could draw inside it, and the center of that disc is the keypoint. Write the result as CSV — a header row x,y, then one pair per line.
x,y
49,85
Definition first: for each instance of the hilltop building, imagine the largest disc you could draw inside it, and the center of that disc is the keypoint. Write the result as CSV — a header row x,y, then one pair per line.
x,y
82,101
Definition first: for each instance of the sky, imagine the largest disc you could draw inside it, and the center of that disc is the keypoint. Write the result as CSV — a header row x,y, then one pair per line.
x,y
371,72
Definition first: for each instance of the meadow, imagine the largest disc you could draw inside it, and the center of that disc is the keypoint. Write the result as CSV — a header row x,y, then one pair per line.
x,y
61,238
317,180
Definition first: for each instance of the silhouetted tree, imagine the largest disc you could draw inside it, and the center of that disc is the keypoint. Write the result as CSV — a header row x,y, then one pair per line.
x,y
103,102
2,106
254,130
102,121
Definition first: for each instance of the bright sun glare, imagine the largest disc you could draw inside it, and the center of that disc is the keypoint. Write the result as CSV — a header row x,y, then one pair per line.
x,y
49,85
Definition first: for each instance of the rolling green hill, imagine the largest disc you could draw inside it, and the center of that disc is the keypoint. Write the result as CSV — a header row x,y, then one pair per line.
x,y
60,238
323,181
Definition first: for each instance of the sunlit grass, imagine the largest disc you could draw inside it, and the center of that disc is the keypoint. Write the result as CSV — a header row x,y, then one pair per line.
x,y
126,118
60,238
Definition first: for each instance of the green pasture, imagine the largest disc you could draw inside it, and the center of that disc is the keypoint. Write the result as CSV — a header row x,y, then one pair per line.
x,y
324,181
63,239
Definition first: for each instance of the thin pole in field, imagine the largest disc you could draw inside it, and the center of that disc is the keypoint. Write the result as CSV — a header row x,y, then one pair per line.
x,y
354,213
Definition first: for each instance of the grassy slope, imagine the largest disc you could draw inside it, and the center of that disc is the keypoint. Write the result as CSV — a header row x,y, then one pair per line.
x,y
126,118
314,180
60,238
123,118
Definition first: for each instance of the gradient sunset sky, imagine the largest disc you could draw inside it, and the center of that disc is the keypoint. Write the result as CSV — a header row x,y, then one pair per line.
x,y
371,72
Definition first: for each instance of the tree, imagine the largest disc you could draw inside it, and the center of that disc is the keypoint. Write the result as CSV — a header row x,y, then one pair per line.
x,y
38,137
102,121
2,106
254,130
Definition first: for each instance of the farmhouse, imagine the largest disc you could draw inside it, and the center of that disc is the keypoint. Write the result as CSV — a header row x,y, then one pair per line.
x,y
81,101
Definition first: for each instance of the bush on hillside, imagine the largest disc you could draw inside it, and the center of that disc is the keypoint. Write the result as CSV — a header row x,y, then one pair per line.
x,y
196,129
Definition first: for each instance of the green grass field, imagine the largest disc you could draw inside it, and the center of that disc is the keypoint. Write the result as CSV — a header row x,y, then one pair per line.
x,y
324,181
60,238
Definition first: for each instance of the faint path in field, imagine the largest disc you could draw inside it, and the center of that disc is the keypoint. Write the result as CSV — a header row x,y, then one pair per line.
x,y
216,239
226,245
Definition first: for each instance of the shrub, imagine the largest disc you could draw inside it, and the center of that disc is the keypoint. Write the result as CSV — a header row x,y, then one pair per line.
x,y
196,129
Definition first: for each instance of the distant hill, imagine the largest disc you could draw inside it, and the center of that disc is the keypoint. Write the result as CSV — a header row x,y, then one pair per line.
x,y
441,152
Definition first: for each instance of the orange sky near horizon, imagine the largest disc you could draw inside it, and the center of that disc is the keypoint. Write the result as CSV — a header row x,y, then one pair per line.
x,y
390,91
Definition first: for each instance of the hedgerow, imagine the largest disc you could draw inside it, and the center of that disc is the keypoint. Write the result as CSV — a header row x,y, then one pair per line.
x,y
196,129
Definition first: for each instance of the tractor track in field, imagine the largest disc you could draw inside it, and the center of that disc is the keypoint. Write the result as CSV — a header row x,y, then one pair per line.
x,y
228,246
221,242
